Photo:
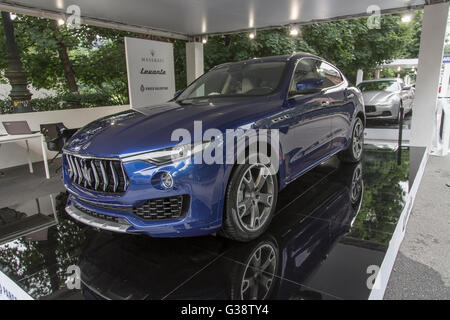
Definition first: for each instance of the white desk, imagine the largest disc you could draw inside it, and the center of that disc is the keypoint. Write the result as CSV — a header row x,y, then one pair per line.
x,y
26,137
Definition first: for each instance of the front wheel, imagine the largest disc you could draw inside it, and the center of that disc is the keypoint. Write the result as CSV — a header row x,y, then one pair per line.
x,y
250,202
354,151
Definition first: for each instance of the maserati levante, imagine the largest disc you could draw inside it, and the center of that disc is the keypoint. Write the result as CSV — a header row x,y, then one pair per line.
x,y
166,170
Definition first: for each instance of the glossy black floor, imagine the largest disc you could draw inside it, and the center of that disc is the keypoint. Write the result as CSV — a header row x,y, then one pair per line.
x,y
331,225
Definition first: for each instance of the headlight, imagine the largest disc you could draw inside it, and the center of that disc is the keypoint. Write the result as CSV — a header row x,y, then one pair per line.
x,y
163,156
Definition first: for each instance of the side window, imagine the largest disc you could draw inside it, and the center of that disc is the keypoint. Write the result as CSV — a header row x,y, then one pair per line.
x,y
330,75
306,69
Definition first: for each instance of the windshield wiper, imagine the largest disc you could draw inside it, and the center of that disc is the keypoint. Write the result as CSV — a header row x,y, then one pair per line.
x,y
194,101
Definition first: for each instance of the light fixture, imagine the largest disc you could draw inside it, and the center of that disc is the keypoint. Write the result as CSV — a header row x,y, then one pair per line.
x,y
13,16
168,155
407,18
252,35
399,69
204,39
61,22
293,31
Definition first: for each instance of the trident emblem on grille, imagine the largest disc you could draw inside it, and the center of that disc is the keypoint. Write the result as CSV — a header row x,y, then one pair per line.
x,y
87,172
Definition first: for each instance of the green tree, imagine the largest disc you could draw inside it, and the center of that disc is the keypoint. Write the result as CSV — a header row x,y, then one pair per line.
x,y
97,55
352,45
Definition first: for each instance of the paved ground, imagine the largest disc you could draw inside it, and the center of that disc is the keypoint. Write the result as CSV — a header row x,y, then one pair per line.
x,y
422,268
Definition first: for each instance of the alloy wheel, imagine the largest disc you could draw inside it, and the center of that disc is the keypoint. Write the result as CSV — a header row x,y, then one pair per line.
x,y
255,196
259,273
358,139
356,184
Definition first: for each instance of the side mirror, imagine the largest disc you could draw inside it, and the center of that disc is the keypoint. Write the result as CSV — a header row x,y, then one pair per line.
x,y
406,88
306,86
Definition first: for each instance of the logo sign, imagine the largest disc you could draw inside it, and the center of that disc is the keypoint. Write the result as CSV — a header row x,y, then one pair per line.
x,y
10,290
151,75
446,59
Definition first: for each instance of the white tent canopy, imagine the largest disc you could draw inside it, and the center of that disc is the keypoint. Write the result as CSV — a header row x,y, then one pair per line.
x,y
183,18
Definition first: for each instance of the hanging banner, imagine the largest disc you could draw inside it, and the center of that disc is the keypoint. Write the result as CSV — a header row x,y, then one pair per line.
x,y
150,68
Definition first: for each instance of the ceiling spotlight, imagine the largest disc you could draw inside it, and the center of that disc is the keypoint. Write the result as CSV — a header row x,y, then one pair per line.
x,y
293,31
204,39
61,22
13,16
252,35
407,18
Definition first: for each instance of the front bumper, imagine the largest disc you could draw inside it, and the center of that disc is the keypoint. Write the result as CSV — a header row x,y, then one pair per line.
x,y
387,112
119,225
203,184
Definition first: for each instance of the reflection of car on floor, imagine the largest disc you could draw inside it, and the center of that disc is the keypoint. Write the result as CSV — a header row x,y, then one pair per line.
x,y
126,174
384,97
296,244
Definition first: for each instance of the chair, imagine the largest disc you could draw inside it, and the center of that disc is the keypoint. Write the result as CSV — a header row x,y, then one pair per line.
x,y
56,135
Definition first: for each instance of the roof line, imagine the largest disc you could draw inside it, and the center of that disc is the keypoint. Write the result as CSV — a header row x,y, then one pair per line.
x,y
55,15
299,23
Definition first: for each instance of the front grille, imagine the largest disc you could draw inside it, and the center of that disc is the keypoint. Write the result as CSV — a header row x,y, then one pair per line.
x,y
96,214
96,174
371,109
163,208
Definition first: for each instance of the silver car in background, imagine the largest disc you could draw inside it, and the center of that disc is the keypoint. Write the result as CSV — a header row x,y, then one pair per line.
x,y
384,97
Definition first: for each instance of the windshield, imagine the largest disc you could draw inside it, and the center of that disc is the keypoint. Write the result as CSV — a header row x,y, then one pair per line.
x,y
389,86
241,79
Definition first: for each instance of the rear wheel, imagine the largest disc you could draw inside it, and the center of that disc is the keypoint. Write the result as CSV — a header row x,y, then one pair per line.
x,y
250,202
354,151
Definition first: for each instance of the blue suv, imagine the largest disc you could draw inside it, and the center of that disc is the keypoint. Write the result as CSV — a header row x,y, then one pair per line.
x,y
130,172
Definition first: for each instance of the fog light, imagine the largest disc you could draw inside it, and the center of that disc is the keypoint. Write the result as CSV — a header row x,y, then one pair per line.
x,y
166,180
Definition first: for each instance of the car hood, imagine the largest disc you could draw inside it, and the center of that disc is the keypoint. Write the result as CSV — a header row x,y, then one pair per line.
x,y
376,97
150,128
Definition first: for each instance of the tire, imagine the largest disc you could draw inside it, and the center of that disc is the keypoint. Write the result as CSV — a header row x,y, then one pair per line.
x,y
242,203
352,155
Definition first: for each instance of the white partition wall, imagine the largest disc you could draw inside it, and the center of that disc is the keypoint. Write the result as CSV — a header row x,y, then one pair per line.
x,y
429,70
15,154
194,61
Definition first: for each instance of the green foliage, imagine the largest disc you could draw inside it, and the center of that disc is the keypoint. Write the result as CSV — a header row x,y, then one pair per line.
x,y
63,101
413,32
236,47
179,56
447,49
41,266
98,54
386,182
351,45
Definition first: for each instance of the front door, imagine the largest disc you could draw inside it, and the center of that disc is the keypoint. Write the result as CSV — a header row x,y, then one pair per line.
x,y
311,139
